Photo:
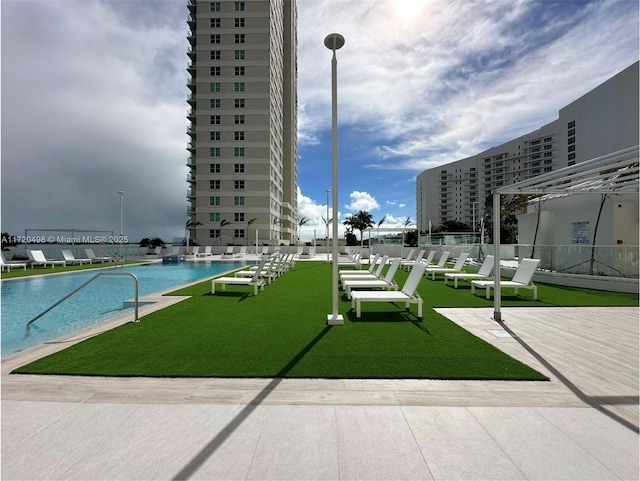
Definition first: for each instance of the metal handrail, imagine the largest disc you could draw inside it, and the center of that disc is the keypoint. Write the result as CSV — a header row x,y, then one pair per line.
x,y
135,286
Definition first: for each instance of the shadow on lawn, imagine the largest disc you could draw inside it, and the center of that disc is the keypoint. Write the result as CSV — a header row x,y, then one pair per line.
x,y
221,437
397,317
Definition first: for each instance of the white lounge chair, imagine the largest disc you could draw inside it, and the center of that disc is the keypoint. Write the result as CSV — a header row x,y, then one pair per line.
x,y
269,271
353,274
521,279
94,258
205,253
386,283
228,254
408,294
243,252
373,265
71,259
483,273
407,265
9,264
352,261
256,281
37,258
462,258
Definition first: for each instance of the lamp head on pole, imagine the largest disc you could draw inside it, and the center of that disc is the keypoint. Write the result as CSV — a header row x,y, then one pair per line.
x,y
334,41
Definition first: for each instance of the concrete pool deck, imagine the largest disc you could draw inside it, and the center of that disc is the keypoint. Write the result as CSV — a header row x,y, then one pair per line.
x,y
583,424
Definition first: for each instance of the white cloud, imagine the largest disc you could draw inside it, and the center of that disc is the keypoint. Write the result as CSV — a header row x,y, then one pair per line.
x,y
316,215
361,201
429,82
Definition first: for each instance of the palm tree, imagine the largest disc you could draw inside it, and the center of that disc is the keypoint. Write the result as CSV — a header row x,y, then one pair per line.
x,y
223,222
301,222
361,221
380,222
248,224
187,227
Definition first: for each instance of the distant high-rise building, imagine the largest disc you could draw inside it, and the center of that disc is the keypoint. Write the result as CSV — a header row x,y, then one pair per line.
x,y
602,121
243,115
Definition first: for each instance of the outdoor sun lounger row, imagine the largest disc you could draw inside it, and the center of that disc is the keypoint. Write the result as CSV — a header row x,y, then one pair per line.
x,y
483,273
443,270
407,294
364,282
256,281
351,274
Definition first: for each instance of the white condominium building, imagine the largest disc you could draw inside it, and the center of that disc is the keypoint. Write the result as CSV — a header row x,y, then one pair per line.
x,y
242,134
602,121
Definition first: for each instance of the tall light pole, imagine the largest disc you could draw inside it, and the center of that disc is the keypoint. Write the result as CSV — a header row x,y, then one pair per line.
x,y
333,42
121,193
327,225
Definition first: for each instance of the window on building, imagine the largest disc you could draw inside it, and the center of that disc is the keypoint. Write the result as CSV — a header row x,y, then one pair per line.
x,y
239,38
547,169
239,55
239,87
239,119
238,184
571,157
215,103
548,154
215,71
571,124
214,184
215,120
214,152
238,200
571,148
571,132
238,217
547,147
548,139
215,23
239,23
238,233
238,168
572,162
214,217
215,55
215,6
571,140
214,233
239,71
214,136
214,200
214,168
215,38
239,6
239,103
239,135
238,151
214,87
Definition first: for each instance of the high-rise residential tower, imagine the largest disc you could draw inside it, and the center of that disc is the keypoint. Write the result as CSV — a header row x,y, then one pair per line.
x,y
243,114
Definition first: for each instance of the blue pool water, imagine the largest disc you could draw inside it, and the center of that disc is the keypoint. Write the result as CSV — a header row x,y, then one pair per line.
x,y
23,299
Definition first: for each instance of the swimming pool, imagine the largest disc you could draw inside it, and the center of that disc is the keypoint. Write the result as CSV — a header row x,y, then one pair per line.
x,y
25,298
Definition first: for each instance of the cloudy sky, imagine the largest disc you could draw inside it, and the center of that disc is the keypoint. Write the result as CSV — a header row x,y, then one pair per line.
x,y
93,99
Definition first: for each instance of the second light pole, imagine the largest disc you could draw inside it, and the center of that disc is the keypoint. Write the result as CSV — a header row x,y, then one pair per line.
x,y
333,42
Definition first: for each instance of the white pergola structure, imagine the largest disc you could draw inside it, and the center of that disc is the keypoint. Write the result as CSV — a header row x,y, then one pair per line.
x,y
615,173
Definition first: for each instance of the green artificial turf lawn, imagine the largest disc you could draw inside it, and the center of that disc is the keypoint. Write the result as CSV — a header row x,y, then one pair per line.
x,y
282,332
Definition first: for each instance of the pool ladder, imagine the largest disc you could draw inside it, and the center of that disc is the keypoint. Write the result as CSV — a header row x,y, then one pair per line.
x,y
135,288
